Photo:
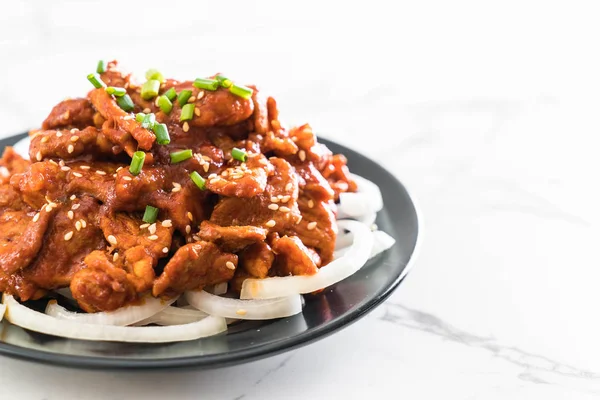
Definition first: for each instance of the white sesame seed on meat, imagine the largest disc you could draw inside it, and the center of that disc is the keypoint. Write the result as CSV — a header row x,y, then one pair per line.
x,y
273,207
115,257
78,225
152,228
186,126
70,214
285,199
74,138
284,209
188,229
58,134
73,197
68,235
230,265
85,167
38,156
311,203
75,206
289,186
112,240
144,226
302,155
83,223
100,172
165,250
152,237
127,178
190,216
36,217
274,199
70,148
167,223
77,174
206,167
271,223
44,139
311,225
65,168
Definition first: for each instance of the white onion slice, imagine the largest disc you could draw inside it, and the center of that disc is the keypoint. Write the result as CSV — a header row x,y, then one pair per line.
x,y
334,272
27,318
381,242
174,316
2,311
22,148
370,189
355,204
123,316
245,309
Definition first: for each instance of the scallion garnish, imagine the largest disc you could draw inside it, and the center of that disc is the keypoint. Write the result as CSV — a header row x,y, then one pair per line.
x,y
101,68
150,89
137,162
183,97
187,112
224,81
238,154
198,180
150,215
125,103
181,155
96,81
165,104
155,74
116,91
148,121
208,84
171,94
162,134
242,91
139,117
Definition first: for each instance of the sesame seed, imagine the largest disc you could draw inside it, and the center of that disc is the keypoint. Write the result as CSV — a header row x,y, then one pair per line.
x,y
75,206
225,173
213,181
70,214
284,209
152,237
206,158
206,167
167,223
44,139
53,162
186,126
69,235
74,138
112,240
199,95
73,197
38,156
197,112
302,155
146,110
299,219
274,199
241,311
120,168
271,223
83,223
36,217
176,189
188,229
78,225
190,216
77,174
311,203
58,134
85,167
191,99
165,250
61,163
273,207
230,265
144,226
311,225
100,172
212,176
289,186
115,257
152,228
65,168
73,130
70,149
48,208
285,199
196,238
127,178
176,184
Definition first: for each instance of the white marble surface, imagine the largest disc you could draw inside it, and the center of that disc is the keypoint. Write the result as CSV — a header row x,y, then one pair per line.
x,y
489,114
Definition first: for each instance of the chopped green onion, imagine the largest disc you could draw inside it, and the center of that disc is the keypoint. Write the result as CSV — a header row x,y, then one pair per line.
x,y
137,162
179,156
171,94
116,91
125,103
183,97
198,180
150,215
162,134
148,121
101,68
150,89
155,74
165,104
208,84
223,81
238,154
187,112
139,117
241,91
96,81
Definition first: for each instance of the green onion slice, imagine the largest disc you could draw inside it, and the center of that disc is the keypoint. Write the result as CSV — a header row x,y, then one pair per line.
x,y
239,154
150,89
187,112
198,180
125,103
150,215
101,68
179,156
171,94
224,81
139,117
208,84
116,91
155,74
162,134
165,104
137,162
183,97
148,121
242,91
96,81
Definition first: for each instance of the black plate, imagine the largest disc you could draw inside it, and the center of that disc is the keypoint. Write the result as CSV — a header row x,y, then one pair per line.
x,y
324,314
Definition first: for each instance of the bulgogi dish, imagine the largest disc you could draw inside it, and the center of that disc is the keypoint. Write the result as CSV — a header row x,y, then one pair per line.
x,y
161,187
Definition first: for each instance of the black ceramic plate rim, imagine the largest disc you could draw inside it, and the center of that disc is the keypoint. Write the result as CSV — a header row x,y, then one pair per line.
x,y
233,357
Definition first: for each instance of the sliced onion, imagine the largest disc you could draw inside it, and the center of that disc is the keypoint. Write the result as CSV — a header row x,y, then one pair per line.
x,y
22,147
381,242
123,316
27,318
334,272
174,316
355,204
2,311
245,309
220,288
372,190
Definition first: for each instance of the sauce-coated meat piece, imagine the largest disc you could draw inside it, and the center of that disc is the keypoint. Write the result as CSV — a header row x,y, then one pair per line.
x,y
293,257
231,238
257,259
69,144
70,113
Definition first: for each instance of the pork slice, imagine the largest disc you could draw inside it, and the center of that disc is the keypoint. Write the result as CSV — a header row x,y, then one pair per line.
x,y
72,113
293,257
231,238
